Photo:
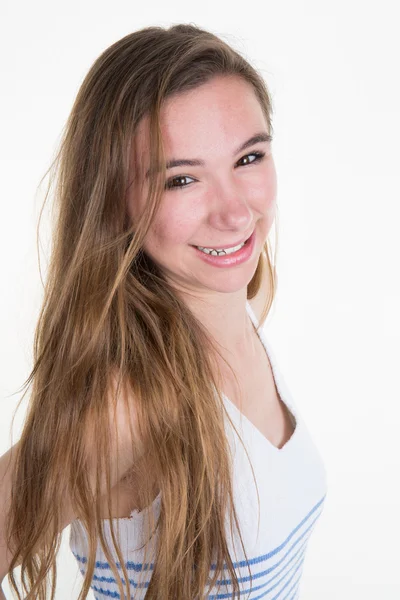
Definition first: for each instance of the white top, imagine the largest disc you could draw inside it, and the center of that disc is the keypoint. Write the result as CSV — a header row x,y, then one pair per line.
x,y
292,486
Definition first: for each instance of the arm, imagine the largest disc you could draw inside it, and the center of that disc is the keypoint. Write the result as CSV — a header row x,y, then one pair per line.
x,y
121,449
7,462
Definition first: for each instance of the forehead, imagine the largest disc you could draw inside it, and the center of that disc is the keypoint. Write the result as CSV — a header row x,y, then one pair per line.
x,y
214,117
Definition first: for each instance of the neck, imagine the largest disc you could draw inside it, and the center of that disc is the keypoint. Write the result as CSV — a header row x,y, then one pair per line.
x,y
226,318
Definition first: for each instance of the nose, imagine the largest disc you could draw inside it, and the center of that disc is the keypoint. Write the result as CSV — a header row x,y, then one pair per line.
x,y
229,207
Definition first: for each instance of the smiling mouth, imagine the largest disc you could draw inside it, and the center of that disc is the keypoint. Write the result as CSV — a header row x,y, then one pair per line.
x,y
216,248
232,251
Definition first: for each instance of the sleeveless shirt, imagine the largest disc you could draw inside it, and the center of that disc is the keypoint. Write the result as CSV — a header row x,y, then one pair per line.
x,y
292,486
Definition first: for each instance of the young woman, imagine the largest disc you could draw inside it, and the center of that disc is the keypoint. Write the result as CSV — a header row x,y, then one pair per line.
x,y
159,425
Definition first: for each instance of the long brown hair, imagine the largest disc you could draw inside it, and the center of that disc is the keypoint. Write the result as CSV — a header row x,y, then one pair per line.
x,y
108,309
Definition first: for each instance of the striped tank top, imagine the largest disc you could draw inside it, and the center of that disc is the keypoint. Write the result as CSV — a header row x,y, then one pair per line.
x,y
292,485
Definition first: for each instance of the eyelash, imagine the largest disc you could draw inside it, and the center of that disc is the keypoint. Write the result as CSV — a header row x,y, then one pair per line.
x,y
168,185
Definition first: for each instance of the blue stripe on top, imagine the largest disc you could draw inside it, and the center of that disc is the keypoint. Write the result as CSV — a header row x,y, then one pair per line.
x,y
277,577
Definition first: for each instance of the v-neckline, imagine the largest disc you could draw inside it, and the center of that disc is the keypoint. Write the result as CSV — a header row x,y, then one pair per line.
x,y
292,413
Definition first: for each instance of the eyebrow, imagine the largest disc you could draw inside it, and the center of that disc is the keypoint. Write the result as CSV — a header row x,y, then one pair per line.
x,y
197,162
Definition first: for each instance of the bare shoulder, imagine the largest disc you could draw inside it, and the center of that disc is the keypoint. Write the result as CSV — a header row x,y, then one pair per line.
x,y
126,445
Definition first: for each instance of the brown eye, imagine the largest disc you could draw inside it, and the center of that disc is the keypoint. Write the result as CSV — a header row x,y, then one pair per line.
x,y
258,157
177,182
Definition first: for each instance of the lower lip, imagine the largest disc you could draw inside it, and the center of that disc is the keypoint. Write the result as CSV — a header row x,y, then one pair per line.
x,y
230,260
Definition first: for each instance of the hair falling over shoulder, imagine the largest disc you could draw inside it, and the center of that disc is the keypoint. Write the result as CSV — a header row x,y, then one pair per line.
x,y
110,322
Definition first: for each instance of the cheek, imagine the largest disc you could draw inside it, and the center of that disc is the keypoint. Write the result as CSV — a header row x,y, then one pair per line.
x,y
270,187
264,196
172,227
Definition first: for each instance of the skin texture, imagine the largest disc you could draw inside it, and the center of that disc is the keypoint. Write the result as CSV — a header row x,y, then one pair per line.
x,y
219,204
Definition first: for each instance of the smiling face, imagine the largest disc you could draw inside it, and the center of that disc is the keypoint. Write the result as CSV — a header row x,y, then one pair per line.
x,y
220,199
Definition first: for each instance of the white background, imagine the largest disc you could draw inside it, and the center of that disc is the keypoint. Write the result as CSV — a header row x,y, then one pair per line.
x,y
333,71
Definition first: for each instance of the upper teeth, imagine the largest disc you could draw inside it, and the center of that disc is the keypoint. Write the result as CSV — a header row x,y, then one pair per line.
x,y
222,251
